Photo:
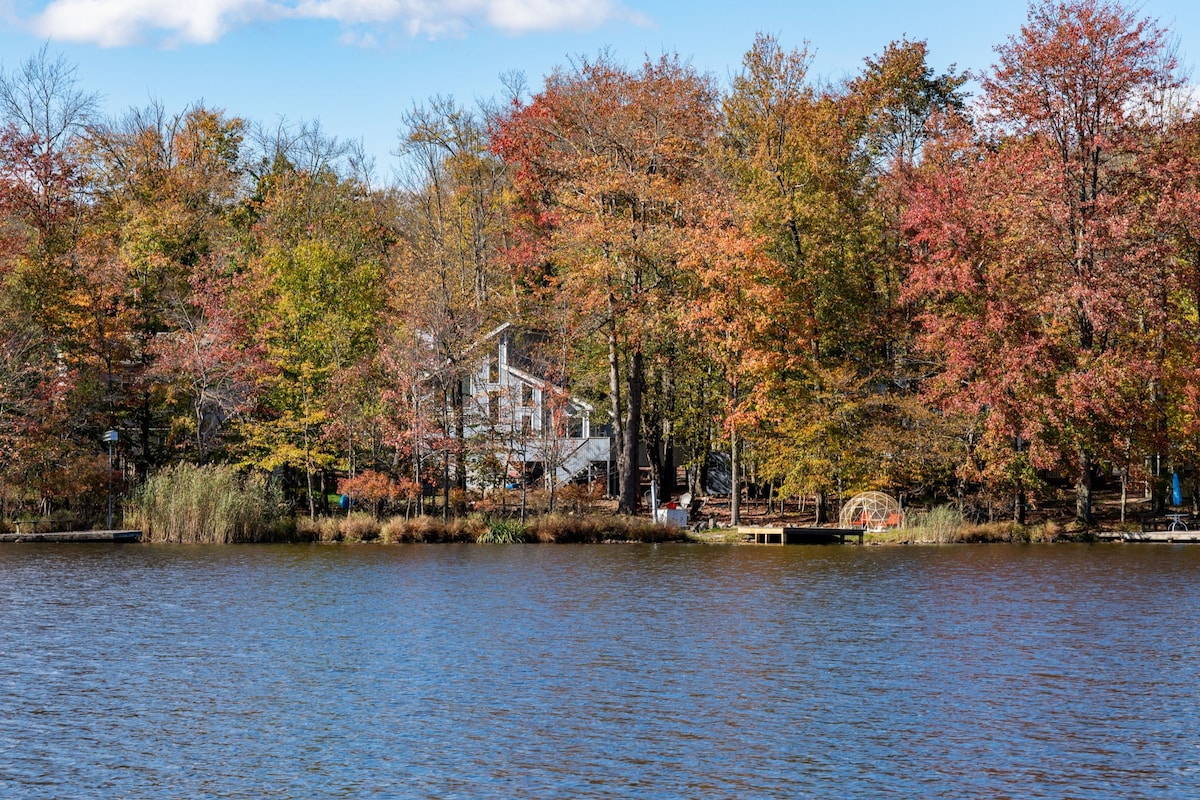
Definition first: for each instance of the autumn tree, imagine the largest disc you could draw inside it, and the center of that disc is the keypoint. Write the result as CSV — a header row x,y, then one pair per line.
x,y
159,243
315,246
610,163
1172,434
1032,256
46,431
813,169
453,286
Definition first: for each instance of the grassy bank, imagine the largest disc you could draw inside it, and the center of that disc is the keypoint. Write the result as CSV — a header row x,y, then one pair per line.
x,y
482,529
217,505
946,525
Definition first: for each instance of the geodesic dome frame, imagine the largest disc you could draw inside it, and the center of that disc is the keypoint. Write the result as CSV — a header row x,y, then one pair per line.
x,y
873,511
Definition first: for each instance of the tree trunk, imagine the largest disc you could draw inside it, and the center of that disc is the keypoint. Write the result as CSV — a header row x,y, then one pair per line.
x,y
669,485
416,454
628,464
308,472
819,511
654,455
1083,490
460,436
1124,493
614,389
735,483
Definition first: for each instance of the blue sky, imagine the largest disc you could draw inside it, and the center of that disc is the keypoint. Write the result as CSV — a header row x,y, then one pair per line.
x,y
357,65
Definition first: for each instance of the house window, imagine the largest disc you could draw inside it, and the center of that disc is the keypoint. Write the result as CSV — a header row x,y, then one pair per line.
x,y
574,423
494,368
527,395
526,424
494,407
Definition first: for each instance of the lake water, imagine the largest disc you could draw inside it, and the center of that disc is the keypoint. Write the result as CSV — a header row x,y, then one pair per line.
x,y
599,671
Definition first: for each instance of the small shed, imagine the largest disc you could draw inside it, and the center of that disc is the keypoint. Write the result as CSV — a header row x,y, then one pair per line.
x,y
872,511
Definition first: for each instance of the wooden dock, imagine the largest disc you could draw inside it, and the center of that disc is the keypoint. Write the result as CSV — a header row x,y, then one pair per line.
x,y
1164,537
72,536
798,535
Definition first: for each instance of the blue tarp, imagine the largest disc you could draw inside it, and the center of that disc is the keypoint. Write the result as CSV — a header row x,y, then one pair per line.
x,y
1176,490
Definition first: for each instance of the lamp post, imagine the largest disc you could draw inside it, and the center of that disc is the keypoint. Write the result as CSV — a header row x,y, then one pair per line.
x,y
111,438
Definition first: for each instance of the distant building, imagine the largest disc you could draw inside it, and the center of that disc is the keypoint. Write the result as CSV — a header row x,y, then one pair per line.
x,y
521,424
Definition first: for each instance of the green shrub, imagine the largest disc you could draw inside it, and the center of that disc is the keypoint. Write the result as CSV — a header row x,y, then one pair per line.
x,y
503,531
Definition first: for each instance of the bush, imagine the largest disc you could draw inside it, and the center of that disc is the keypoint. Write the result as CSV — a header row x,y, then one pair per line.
x,y
321,529
431,529
552,528
503,531
945,525
355,527
207,505
359,527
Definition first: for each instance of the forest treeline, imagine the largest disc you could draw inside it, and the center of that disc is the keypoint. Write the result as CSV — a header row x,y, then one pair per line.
x,y
878,283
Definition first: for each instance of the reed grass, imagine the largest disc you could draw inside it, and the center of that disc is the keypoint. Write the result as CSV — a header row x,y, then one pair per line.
x,y
594,528
503,531
357,526
431,530
940,525
190,504
946,525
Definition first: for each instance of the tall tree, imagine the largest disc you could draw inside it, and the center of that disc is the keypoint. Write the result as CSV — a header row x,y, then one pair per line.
x,y
1031,254
610,163
316,258
454,286
46,430
165,187
814,170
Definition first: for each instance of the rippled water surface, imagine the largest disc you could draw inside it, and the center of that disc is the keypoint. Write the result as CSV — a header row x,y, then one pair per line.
x,y
609,671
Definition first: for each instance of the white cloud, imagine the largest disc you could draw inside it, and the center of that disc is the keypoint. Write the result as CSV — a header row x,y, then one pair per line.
x,y
518,16
112,23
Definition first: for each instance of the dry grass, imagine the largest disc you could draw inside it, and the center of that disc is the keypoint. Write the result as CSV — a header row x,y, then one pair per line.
x,y
945,525
359,527
593,528
427,529
552,528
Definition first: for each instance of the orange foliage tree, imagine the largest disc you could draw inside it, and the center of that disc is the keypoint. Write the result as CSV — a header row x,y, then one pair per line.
x,y
611,165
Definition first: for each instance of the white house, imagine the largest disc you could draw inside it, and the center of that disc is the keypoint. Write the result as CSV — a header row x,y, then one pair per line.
x,y
522,423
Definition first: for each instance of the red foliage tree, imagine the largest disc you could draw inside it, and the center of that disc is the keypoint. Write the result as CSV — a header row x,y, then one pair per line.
x,y
1034,262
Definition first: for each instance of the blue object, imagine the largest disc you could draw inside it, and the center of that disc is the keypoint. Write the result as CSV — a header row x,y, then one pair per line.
x,y
1176,490
344,503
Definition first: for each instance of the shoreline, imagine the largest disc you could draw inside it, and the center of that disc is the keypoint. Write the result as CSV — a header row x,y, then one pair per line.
x,y
729,537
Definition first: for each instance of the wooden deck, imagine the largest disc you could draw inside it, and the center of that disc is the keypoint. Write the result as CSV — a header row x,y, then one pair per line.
x,y
798,535
1165,537
72,536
